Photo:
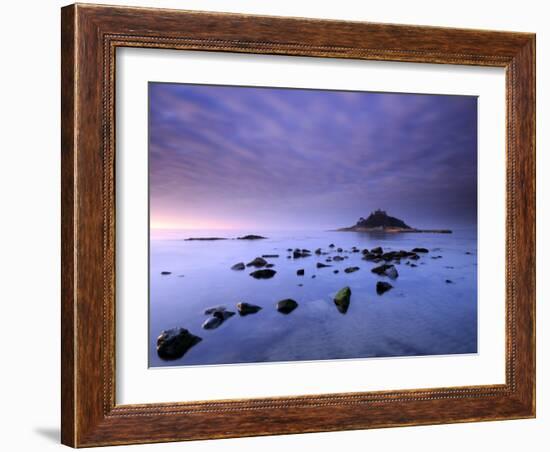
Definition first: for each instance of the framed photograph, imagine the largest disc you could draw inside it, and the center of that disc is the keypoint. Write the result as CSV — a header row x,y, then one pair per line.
x,y
281,225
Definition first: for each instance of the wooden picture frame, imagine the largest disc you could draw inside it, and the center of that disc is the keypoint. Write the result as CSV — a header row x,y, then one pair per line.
x,y
90,36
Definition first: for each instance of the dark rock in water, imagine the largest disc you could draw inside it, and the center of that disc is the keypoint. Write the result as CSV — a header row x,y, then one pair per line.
x,y
331,245
342,298
328,259
391,272
337,258
339,250
414,265
437,257
218,317
313,276
165,273
247,308
269,265
355,250
468,253
263,274
420,250
300,272
386,270
204,238
300,253
251,237
448,281
286,306
174,343
213,309
370,257
351,269
336,271
321,265
381,269
377,250
267,256
382,287
257,262
239,266
414,257
289,250
306,251
289,257
212,323
300,285
223,315
365,251
318,251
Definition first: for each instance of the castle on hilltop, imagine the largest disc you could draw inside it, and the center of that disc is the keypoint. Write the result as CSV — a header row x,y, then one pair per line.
x,y
380,219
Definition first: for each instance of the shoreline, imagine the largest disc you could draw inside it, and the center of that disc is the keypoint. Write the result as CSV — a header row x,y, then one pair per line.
x,y
394,230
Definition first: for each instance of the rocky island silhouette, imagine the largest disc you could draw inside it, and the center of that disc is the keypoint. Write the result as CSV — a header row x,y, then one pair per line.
x,y
380,221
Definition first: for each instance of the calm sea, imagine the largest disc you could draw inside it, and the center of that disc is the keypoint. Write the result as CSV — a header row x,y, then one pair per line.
x,y
422,315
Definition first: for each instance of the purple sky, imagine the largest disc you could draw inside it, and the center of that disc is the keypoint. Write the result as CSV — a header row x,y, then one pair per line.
x,y
267,158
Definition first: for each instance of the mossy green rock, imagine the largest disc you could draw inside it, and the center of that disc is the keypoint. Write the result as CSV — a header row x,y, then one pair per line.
x,y
342,298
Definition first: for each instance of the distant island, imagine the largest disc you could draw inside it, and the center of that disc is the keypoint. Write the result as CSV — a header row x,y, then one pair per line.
x,y
380,221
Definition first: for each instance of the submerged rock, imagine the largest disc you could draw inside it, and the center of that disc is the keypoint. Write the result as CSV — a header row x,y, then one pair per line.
x,y
339,250
342,298
286,306
337,258
247,308
268,256
318,251
331,245
321,265
269,265
175,342
300,272
377,250
336,271
263,274
257,262
165,273
420,250
382,287
448,281
351,269
239,266
251,237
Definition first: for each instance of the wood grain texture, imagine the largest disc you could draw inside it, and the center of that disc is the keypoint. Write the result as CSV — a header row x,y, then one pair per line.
x,y
90,36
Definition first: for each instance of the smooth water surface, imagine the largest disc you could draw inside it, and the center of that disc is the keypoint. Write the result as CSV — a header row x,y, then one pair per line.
x,y
422,315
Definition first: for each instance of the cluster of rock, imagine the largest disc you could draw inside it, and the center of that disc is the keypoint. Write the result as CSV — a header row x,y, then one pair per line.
x,y
174,343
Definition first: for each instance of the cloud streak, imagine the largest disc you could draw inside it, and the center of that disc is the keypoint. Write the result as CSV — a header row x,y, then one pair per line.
x,y
271,158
